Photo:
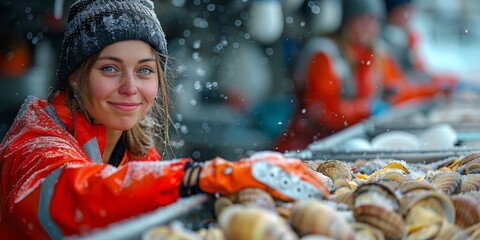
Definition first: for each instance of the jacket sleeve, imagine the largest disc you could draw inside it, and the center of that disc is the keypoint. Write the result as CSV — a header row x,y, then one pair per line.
x,y
324,96
51,183
395,79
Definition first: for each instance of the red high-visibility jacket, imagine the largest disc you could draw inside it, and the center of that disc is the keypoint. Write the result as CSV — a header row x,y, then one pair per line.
x,y
334,93
54,183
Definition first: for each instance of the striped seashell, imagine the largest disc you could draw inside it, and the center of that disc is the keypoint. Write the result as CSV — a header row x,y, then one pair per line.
x,y
335,169
470,183
366,231
312,217
448,182
467,211
243,222
256,197
389,222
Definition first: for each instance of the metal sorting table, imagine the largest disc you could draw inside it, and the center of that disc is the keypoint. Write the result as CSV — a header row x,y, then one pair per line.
x,y
197,211
397,119
192,212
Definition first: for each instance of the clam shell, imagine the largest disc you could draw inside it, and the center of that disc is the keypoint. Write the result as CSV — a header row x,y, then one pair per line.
x,y
389,222
327,181
313,217
398,165
256,197
473,195
313,165
470,157
450,232
415,186
335,169
473,231
448,182
392,178
470,183
423,223
437,202
220,204
370,166
376,194
242,222
367,232
467,211
471,167
446,163
212,233
345,197
173,231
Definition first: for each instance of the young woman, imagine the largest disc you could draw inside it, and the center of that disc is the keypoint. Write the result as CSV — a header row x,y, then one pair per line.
x,y
86,157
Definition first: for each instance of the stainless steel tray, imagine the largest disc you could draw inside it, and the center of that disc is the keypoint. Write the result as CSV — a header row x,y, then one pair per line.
x,y
414,156
192,211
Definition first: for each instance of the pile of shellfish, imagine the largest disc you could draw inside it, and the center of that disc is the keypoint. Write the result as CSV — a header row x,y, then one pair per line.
x,y
370,199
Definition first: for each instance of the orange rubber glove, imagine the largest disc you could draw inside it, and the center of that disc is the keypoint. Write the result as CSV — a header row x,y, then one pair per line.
x,y
286,179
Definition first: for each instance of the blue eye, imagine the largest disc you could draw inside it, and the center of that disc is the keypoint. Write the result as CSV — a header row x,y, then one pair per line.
x,y
108,69
145,71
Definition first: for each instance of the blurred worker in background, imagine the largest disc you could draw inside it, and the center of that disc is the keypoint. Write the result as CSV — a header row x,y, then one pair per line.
x,y
89,155
343,79
402,43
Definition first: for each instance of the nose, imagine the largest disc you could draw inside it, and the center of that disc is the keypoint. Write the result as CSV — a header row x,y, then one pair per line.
x,y
128,86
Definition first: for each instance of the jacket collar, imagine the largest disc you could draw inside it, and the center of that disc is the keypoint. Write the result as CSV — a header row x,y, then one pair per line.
x,y
90,136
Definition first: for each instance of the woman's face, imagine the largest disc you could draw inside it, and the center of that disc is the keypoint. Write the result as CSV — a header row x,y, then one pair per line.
x,y
364,29
123,84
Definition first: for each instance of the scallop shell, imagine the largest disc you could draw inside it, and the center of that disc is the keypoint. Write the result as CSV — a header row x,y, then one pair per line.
x,y
467,211
245,223
389,222
448,182
313,217
335,169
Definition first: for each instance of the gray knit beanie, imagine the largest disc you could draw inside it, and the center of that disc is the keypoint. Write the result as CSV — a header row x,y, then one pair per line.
x,y
353,8
94,24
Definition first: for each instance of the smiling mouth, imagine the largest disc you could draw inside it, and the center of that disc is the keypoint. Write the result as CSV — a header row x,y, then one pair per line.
x,y
125,106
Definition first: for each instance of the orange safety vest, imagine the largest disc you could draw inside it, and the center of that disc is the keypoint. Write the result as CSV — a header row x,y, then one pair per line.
x,y
54,183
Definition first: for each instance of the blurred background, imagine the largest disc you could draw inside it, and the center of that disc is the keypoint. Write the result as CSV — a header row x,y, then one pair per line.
x,y
233,60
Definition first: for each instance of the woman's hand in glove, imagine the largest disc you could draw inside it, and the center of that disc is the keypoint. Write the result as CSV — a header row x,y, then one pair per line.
x,y
284,178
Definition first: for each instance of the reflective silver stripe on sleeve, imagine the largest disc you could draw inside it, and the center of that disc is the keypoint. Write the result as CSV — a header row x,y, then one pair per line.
x,y
44,205
51,112
91,148
283,182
